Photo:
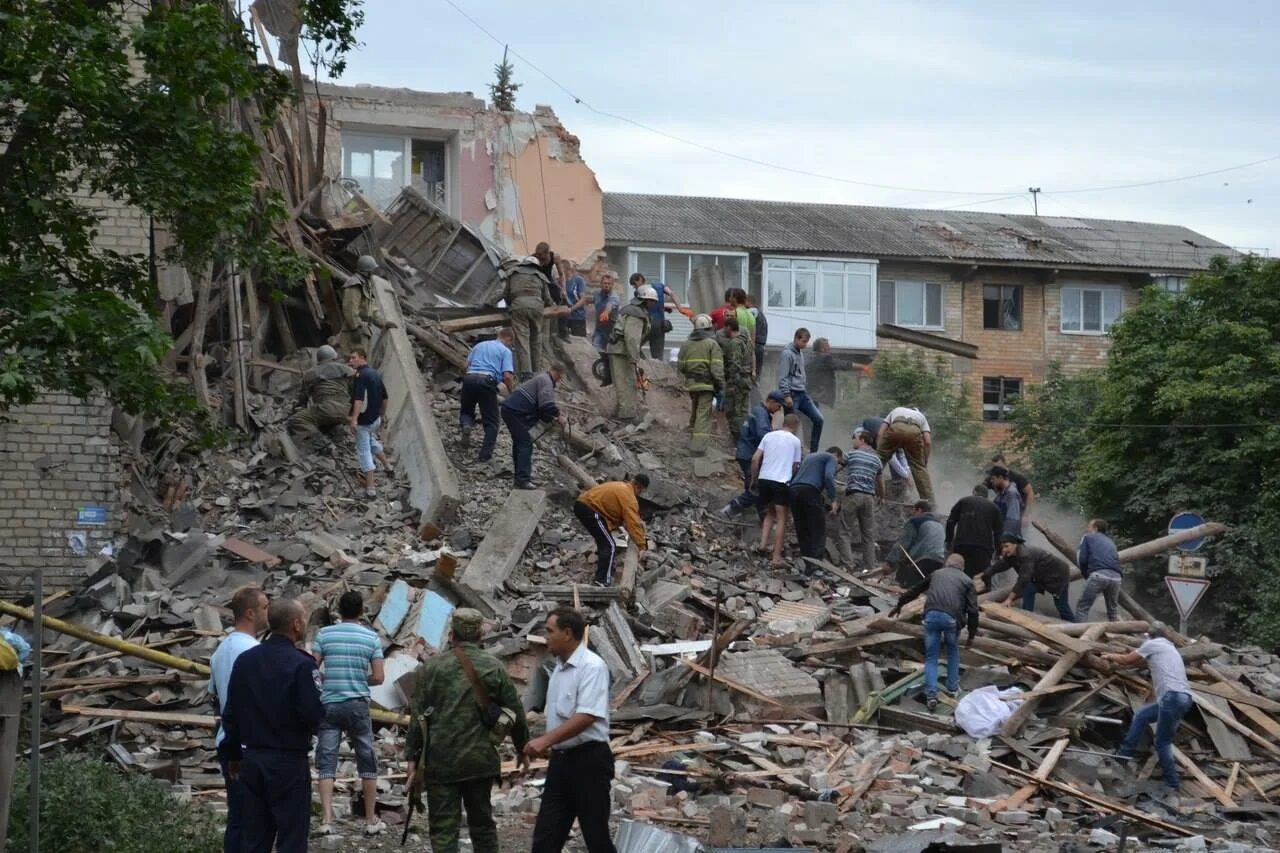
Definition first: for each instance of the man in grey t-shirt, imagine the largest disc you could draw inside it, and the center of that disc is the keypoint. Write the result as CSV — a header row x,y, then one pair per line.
x,y
1173,698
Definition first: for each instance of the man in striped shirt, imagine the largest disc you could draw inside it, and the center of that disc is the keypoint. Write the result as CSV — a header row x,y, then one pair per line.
x,y
863,489
351,655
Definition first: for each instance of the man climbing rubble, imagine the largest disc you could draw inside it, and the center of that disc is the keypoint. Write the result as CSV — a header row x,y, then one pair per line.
x,y
1025,489
360,308
1173,698
921,547
368,407
488,364
1038,571
463,707
629,333
603,509
973,528
752,432
735,349
533,402
1008,499
527,293
1099,562
792,382
815,478
702,366
863,492
326,394
773,465
950,601
907,428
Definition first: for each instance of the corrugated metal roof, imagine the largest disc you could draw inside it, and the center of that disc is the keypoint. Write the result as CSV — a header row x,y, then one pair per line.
x,y
891,232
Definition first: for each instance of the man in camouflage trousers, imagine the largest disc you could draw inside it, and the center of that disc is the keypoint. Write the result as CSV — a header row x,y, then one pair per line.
x,y
360,308
736,349
461,764
702,367
327,387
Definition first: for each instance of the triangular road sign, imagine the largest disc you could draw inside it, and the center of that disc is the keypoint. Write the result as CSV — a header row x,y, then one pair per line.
x,y
1186,593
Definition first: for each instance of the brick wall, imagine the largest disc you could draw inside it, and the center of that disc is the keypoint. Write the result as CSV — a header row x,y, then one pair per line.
x,y
57,457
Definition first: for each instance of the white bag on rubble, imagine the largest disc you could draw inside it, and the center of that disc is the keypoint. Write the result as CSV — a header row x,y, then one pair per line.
x,y
982,712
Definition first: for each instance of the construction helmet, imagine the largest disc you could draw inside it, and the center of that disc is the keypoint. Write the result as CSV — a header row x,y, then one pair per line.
x,y
366,264
702,321
326,353
646,293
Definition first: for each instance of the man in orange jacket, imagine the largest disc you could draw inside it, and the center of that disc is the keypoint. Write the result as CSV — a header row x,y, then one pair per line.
x,y
605,508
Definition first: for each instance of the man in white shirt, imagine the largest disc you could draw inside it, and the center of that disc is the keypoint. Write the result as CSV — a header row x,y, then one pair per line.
x,y
580,769
775,461
907,428
249,611
1173,698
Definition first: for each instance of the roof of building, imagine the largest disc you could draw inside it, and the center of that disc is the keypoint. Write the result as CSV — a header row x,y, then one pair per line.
x,y
892,232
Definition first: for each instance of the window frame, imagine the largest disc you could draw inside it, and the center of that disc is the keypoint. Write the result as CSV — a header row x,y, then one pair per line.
x,y
1102,290
1000,316
633,264
1001,407
775,263
407,138
924,307
1163,282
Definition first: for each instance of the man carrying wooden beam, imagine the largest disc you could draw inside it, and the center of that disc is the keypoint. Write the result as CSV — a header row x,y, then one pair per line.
x,y
1173,698
1038,571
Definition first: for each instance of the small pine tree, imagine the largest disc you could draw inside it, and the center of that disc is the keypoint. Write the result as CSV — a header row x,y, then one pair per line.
x,y
503,91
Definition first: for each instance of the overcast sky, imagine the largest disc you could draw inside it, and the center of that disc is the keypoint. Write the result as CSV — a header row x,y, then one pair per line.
x,y
975,98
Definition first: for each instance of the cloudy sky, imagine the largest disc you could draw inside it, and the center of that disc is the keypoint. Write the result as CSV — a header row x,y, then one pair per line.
x,y
954,104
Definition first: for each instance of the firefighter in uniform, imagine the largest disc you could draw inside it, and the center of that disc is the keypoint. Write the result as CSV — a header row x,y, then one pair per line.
x,y
360,308
527,293
273,710
326,388
630,330
702,366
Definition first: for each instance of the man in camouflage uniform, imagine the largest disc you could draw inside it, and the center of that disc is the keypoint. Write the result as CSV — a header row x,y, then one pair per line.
x,y
630,330
527,293
360,308
735,347
702,367
462,762
327,389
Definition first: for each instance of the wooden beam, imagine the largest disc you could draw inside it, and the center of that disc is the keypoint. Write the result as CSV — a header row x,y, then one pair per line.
x,y
1028,790
208,721
1059,671
1164,543
1204,781
926,340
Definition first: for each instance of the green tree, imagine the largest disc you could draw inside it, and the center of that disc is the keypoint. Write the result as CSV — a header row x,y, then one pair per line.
x,y
1186,419
134,112
914,379
502,91
1052,432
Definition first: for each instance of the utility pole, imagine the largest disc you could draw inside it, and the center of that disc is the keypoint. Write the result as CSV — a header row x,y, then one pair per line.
x,y
1035,199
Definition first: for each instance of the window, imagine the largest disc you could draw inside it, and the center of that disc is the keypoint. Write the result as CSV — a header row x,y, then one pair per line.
x,y
1170,283
384,165
911,303
683,271
819,285
998,396
1002,307
1091,310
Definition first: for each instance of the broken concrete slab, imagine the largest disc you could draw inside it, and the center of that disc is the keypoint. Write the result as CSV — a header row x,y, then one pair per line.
x,y
768,672
504,544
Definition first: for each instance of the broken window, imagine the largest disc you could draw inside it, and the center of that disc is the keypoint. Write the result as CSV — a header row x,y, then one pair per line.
x,y
384,165
710,272
916,304
1091,310
1002,307
429,170
999,393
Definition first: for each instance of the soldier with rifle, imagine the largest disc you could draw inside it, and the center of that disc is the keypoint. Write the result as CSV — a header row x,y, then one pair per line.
x,y
464,706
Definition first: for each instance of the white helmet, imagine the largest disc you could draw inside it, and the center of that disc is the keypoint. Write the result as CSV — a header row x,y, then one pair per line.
x,y
702,321
646,292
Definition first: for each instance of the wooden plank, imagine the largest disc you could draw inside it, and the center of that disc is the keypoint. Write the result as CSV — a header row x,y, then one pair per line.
x,y
1027,791
732,685
250,552
1231,780
1228,741
207,721
765,764
1045,632
624,640
1238,696
1204,781
1059,671
630,569
866,775
501,549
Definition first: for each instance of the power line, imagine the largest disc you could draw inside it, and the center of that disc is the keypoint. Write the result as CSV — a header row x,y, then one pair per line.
x,y
1005,194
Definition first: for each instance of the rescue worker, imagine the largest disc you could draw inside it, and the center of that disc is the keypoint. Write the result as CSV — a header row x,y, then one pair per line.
x,y
973,528
532,402
488,364
326,393
751,433
907,428
603,509
921,547
1038,571
629,333
360,307
456,761
527,294
950,601
273,710
702,366
735,348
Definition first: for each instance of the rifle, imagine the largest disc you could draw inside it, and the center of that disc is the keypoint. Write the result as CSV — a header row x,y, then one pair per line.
x,y
415,784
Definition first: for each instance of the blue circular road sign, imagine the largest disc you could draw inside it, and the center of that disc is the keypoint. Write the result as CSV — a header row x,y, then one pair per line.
x,y
1186,521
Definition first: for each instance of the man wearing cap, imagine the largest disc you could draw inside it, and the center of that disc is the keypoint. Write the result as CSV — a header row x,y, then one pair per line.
x,y
863,490
752,431
1038,571
489,363
468,704
815,477
702,366
326,390
360,307
907,428
950,600
624,348
1173,698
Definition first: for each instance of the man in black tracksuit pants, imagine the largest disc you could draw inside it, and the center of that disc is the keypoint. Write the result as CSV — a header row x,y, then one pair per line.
x,y
973,528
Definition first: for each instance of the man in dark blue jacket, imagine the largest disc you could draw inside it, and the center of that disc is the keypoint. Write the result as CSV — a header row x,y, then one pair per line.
x,y
759,422
534,401
273,710
1099,562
